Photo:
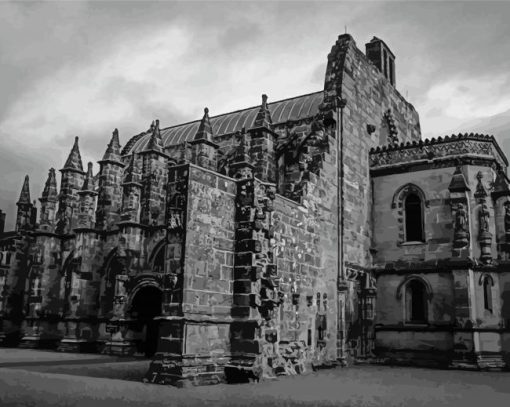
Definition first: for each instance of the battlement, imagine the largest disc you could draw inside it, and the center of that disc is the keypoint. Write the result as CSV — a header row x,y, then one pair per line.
x,y
472,144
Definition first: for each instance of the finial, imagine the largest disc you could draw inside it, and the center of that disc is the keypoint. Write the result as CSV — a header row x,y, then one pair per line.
x,y
206,110
264,99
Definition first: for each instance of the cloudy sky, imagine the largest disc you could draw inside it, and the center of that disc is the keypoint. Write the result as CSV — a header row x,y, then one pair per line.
x,y
83,68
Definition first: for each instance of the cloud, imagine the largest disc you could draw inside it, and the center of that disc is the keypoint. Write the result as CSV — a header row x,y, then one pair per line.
x,y
83,68
462,99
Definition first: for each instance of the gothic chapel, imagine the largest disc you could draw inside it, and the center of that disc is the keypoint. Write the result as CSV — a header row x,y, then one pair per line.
x,y
289,236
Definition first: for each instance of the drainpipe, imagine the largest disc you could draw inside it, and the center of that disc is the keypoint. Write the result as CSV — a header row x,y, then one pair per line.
x,y
340,104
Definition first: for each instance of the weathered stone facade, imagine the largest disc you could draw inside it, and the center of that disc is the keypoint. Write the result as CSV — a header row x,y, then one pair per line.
x,y
254,244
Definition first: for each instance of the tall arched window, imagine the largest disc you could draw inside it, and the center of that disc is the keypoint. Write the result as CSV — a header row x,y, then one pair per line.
x,y
413,218
416,302
487,293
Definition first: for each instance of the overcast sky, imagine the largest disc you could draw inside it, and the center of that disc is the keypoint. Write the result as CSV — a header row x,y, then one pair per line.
x,y
83,68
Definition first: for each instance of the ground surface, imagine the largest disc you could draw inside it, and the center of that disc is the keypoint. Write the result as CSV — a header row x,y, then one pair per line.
x,y
37,378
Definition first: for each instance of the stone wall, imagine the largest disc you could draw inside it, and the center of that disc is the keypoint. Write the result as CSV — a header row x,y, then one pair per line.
x,y
374,111
209,247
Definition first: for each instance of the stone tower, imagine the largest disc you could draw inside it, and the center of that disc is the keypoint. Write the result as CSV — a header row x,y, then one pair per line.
x,y
110,190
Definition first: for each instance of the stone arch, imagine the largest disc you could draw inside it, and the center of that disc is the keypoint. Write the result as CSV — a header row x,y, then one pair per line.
x,y
415,293
140,283
398,203
403,283
157,257
144,305
111,267
487,282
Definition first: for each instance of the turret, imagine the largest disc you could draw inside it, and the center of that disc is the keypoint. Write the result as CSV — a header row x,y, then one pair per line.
x,y
263,141
154,178
131,192
71,183
87,200
204,151
24,218
49,201
110,190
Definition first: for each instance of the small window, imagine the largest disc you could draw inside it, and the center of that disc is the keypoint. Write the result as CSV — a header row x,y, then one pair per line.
x,y
487,293
413,218
416,302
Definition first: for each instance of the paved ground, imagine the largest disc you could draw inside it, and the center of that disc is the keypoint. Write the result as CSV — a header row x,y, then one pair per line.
x,y
29,384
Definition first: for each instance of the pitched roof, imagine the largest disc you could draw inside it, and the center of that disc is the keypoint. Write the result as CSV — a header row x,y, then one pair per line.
x,y
295,108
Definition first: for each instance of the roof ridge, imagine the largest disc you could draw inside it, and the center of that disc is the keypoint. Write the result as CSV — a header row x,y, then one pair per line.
x,y
242,110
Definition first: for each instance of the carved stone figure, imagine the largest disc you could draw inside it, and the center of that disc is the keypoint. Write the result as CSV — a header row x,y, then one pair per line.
x,y
461,235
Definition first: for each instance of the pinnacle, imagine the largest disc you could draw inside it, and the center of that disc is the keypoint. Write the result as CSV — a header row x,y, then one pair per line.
x,y
24,197
50,188
112,152
263,118
88,184
74,159
131,173
155,140
205,131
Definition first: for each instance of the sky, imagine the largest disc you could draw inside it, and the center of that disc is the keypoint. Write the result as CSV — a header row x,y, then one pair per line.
x,y
84,68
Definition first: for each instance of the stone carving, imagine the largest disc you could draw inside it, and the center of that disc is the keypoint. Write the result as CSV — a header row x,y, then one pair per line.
x,y
507,221
485,237
461,234
392,128
462,144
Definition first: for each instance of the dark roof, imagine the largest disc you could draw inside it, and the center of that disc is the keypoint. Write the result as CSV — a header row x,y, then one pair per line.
x,y
295,108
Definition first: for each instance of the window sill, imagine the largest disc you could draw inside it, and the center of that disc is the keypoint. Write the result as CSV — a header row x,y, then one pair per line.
x,y
416,324
413,243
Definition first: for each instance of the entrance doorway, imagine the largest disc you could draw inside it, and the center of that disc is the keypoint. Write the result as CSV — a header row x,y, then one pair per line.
x,y
146,305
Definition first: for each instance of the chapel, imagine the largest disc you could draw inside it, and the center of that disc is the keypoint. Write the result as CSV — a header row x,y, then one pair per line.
x,y
305,233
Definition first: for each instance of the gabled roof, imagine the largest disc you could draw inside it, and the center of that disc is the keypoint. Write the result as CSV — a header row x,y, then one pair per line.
x,y
295,108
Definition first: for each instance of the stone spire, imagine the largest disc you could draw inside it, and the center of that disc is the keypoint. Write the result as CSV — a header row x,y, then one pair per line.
x,y
24,197
49,201
88,184
205,131
155,142
50,192
112,152
204,151
73,161
26,210
263,118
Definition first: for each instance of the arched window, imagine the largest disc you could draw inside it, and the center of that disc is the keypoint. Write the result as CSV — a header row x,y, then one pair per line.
x,y
487,293
413,218
416,302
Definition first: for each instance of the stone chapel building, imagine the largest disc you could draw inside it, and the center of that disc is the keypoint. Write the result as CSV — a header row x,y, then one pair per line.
x,y
296,234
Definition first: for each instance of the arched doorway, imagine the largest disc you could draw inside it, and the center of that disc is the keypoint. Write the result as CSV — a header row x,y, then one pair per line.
x,y
145,306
